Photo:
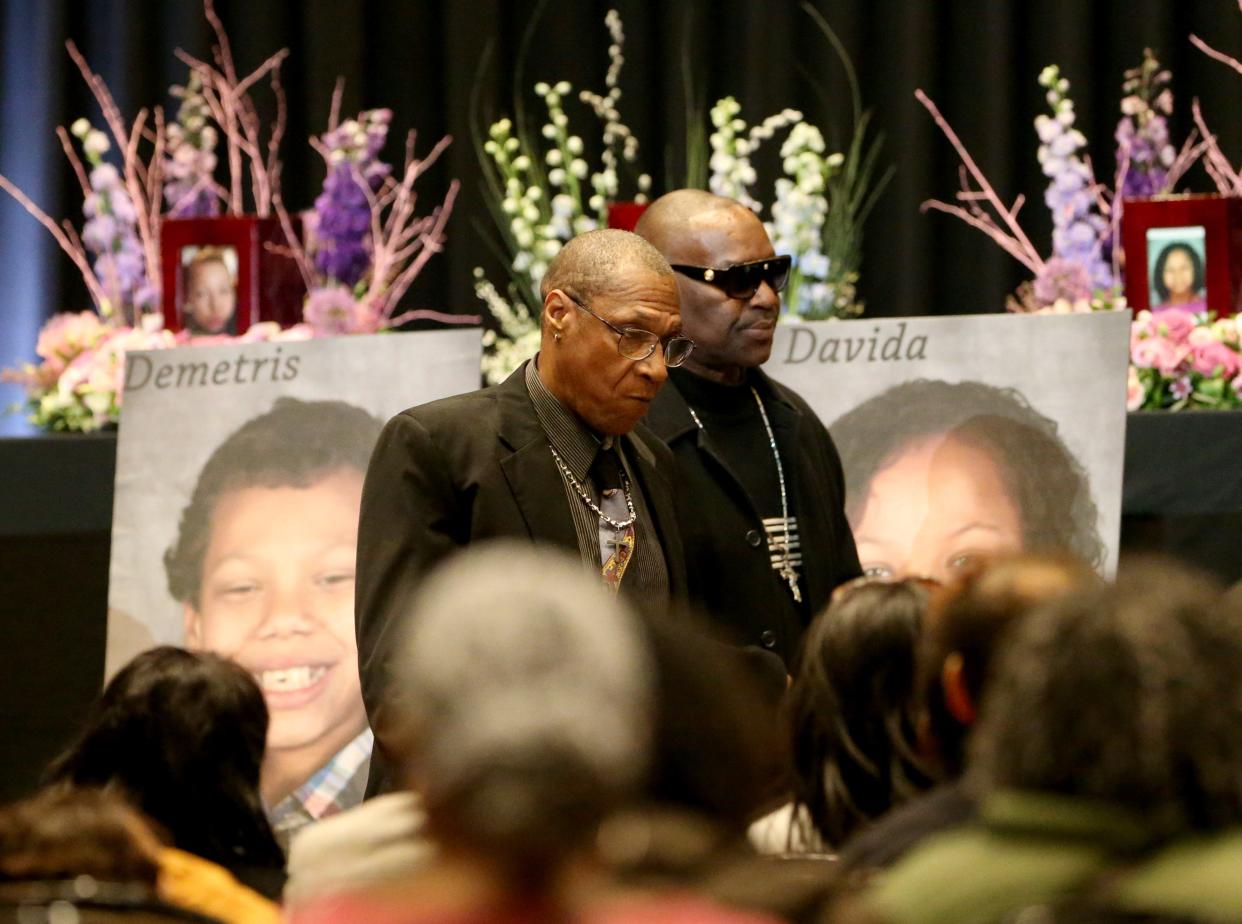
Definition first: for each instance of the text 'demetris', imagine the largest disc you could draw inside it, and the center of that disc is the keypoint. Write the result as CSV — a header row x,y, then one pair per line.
x,y
143,372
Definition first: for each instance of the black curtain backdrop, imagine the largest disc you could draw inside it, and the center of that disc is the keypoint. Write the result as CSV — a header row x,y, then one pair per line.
x,y
979,59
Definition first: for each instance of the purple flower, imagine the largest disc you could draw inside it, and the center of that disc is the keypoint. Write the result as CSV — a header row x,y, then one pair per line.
x,y
1181,388
343,210
1142,133
329,311
1062,279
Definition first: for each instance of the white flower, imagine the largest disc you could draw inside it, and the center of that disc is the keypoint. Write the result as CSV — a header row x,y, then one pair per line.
x,y
554,157
578,168
548,131
644,182
559,119
522,162
556,177
79,128
584,223
96,143
509,206
542,89
563,87
512,144
574,144
562,205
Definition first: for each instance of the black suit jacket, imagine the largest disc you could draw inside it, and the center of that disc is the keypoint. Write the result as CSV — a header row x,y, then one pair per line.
x,y
728,560
461,470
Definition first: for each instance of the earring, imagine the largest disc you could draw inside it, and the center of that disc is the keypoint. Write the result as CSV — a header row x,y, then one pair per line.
x,y
557,336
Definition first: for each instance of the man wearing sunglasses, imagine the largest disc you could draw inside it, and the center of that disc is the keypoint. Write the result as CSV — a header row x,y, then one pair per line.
x,y
764,527
550,455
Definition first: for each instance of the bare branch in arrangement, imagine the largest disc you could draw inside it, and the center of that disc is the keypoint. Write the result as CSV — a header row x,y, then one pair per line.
x,y
1010,237
72,246
1228,180
1211,52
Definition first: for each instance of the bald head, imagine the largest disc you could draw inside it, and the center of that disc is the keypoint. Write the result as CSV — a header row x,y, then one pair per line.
x,y
589,264
678,217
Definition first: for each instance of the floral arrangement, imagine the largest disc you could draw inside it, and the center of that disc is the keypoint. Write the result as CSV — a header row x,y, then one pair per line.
x,y
1181,360
366,243
1083,270
542,190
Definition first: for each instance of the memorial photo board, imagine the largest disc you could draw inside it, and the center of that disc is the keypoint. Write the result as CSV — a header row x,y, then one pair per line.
x,y
961,437
238,481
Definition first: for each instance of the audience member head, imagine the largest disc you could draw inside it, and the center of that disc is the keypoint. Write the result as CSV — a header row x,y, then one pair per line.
x,y
606,369
263,566
855,708
181,735
1004,480
965,630
728,278
66,832
1129,694
525,691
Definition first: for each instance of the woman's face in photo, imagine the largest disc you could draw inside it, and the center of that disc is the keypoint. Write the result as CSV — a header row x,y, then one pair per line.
x,y
277,596
209,296
1179,276
934,508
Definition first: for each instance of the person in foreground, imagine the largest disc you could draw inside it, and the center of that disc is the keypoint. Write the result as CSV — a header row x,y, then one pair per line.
x,y
854,709
523,697
86,855
1106,765
762,487
550,455
964,632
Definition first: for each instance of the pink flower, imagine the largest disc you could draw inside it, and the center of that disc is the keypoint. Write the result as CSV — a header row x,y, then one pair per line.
x,y
1215,360
330,312
1134,391
1160,354
66,335
1182,388
1173,323
1202,336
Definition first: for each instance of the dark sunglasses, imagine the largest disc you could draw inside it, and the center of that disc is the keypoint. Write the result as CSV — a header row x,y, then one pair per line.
x,y
744,279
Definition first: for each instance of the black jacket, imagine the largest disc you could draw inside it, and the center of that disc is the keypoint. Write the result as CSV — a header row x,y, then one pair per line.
x,y
461,470
727,558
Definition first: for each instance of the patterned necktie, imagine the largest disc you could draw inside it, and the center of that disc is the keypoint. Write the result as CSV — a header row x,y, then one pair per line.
x,y
606,473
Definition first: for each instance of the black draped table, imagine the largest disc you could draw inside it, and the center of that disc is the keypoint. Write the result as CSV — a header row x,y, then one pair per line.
x,y
1182,494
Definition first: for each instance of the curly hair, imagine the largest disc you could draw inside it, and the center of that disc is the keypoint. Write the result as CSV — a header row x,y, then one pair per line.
x,y
854,708
295,444
181,734
1047,484
1157,273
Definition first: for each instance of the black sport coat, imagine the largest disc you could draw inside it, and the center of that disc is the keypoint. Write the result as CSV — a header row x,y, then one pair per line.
x,y
727,557
461,470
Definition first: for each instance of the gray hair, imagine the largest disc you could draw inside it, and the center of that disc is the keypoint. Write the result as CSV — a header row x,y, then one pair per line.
x,y
528,690
1129,694
587,265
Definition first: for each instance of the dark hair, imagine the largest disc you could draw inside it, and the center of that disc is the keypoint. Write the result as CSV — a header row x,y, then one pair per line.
x,y
1157,273
295,444
181,734
854,708
971,620
1129,694
64,832
1046,483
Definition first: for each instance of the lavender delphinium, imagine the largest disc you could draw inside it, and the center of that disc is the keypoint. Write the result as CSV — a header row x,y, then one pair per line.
x,y
110,231
343,210
189,187
1143,131
1079,230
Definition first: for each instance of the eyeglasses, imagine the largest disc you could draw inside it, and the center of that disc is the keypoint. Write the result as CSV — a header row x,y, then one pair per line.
x,y
744,279
638,344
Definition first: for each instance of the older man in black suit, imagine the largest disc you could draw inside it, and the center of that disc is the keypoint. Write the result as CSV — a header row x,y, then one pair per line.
x,y
550,454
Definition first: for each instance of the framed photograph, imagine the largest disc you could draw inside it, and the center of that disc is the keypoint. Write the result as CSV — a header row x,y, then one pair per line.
x,y
1183,252
221,275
